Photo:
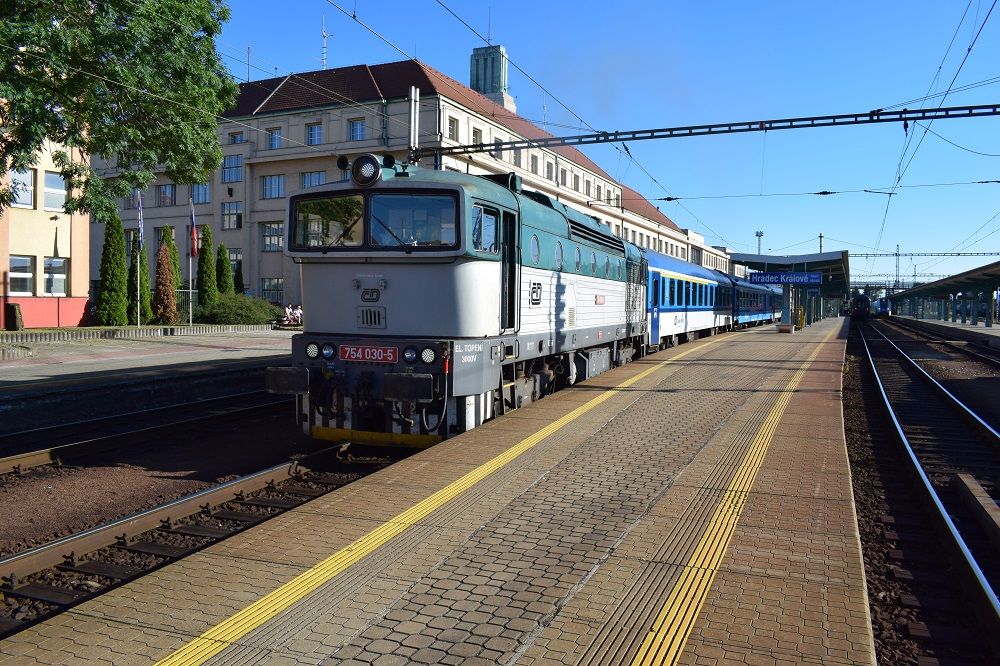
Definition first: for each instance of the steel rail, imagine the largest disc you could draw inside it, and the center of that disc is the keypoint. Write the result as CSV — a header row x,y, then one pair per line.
x,y
982,587
20,462
956,344
955,401
55,552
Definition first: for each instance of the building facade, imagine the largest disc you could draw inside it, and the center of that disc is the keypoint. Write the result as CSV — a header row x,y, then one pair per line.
x,y
44,251
286,134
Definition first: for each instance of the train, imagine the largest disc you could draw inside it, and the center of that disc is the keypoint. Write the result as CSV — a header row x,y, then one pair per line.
x,y
860,307
436,300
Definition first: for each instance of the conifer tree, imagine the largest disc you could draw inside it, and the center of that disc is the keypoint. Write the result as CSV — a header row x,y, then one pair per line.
x,y
112,302
175,259
238,286
208,290
164,298
145,297
223,270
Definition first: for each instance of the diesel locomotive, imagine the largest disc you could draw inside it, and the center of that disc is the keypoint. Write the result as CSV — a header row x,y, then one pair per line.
x,y
436,300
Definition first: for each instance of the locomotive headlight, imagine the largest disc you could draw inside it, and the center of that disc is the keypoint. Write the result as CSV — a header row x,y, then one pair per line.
x,y
327,351
410,354
366,170
312,350
427,355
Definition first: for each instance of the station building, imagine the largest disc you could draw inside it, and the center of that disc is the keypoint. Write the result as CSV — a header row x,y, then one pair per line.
x,y
286,134
44,251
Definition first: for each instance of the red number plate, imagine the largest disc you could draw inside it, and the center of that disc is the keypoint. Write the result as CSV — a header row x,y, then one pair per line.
x,y
370,354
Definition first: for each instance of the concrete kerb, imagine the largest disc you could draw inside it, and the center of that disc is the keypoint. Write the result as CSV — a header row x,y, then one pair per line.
x,y
10,339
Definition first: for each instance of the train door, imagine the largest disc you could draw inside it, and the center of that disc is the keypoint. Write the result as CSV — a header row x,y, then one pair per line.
x,y
654,309
510,253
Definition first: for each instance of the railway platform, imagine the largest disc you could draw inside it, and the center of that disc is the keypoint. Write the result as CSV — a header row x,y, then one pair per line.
x,y
692,507
980,334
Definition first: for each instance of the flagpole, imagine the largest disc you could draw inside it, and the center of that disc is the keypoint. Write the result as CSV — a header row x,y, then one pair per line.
x,y
192,239
138,271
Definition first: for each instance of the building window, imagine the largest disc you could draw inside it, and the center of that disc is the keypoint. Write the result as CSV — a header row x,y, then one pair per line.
x,y
200,193
22,184
453,129
550,172
165,194
273,138
576,182
232,168
356,129
272,236
517,157
313,178
314,134
235,259
618,201
534,164
586,188
132,200
237,137
497,152
477,135
55,191
562,177
272,187
22,276
598,193
130,235
232,214
55,276
272,289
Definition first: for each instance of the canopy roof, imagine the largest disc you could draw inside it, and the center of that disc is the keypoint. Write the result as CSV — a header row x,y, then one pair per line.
x,y
984,278
833,265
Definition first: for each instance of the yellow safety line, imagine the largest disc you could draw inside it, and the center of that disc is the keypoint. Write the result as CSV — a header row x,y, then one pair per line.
x,y
218,638
666,638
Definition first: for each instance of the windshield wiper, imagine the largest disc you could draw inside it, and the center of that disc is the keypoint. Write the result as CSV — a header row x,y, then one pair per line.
x,y
391,233
338,239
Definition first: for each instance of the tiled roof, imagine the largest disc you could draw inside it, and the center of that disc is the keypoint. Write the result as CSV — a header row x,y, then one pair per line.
x,y
392,80
635,202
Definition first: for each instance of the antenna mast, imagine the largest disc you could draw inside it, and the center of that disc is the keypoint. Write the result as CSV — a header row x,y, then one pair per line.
x,y
324,42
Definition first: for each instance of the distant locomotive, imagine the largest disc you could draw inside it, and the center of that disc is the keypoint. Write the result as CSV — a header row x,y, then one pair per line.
x,y
860,307
436,300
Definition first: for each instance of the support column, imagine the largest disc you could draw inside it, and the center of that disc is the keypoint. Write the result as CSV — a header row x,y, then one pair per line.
x,y
962,303
974,306
990,294
953,307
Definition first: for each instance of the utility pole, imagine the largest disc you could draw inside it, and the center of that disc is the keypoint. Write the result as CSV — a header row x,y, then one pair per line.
x,y
760,234
897,265
821,243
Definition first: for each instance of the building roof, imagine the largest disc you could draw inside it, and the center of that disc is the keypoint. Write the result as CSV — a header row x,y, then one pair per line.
x,y
392,80
983,278
835,267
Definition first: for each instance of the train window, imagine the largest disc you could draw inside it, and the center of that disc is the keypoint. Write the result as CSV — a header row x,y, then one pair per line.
x,y
535,249
607,266
327,223
687,293
593,263
663,290
426,220
618,270
484,229
559,256
579,259
670,291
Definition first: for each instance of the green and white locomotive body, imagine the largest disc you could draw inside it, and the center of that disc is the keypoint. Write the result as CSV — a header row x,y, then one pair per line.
x,y
437,300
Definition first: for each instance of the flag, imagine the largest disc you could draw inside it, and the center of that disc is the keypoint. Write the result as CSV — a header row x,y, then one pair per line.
x,y
138,196
194,234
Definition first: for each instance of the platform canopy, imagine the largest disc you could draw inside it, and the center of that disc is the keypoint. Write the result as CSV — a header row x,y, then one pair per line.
x,y
833,265
984,278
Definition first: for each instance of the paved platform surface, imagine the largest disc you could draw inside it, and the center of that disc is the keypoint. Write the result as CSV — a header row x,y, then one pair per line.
x,y
981,333
693,507
85,361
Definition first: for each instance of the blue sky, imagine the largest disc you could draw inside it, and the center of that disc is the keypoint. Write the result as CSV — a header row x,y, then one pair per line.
x,y
638,65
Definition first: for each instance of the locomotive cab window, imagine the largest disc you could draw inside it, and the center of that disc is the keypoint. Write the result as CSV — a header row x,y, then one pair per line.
x,y
484,229
413,220
325,223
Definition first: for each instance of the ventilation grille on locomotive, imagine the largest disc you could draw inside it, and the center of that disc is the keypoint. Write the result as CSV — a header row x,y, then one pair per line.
x,y
371,317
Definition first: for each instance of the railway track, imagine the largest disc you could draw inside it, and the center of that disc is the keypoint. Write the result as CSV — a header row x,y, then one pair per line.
x,y
61,444
46,580
982,353
946,455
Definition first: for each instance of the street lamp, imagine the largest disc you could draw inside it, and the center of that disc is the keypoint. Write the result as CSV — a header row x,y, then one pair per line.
x,y
759,235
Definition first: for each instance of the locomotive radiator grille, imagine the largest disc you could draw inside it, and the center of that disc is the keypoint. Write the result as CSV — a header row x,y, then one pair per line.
x,y
369,317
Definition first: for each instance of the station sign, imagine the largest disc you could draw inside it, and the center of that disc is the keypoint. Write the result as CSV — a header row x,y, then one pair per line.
x,y
786,278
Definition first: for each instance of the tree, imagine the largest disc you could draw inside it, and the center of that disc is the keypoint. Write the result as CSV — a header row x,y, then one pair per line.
x,y
223,271
238,286
139,80
208,290
175,258
145,310
164,298
112,302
